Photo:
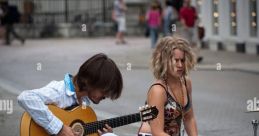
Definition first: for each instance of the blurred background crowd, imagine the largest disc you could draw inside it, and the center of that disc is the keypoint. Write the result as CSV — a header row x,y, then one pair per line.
x,y
216,24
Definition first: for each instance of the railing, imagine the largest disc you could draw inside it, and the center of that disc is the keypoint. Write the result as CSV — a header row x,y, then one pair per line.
x,y
65,11
41,17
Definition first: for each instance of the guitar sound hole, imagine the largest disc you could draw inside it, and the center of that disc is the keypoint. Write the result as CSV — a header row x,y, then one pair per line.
x,y
77,127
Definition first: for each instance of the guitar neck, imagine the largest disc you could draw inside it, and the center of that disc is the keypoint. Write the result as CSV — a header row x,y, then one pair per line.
x,y
113,122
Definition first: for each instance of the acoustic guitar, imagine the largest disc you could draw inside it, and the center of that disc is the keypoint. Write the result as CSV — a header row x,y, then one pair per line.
x,y
83,120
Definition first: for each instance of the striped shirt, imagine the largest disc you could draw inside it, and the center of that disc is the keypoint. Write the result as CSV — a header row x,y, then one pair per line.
x,y
60,93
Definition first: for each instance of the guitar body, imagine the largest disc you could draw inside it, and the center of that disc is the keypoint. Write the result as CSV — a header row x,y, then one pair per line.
x,y
83,120
29,128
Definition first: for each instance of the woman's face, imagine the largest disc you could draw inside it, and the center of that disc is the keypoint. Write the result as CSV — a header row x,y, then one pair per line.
x,y
177,67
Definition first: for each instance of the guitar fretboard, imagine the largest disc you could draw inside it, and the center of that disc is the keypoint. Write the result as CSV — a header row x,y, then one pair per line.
x,y
113,122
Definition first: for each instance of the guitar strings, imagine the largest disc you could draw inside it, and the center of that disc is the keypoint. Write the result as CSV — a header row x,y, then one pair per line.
x,y
94,126
100,125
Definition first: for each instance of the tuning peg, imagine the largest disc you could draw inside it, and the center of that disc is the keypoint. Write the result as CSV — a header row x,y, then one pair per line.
x,y
139,108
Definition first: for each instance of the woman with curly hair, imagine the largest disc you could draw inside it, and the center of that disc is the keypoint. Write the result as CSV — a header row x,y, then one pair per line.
x,y
171,93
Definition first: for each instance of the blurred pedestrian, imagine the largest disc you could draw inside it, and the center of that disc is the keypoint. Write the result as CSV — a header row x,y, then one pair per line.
x,y
10,16
2,30
169,18
119,16
171,92
159,4
153,18
188,17
177,4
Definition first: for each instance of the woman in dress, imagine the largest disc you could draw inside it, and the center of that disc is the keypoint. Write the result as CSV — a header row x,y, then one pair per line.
x,y
171,92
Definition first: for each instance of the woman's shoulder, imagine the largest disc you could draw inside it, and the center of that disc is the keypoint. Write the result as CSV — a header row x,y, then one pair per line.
x,y
158,87
160,83
157,92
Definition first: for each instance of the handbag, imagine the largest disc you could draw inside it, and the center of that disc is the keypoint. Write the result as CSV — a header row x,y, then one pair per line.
x,y
147,31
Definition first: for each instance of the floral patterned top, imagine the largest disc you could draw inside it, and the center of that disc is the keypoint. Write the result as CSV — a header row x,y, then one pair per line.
x,y
172,113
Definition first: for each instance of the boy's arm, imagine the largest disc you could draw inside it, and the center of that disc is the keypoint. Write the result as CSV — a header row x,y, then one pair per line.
x,y
34,102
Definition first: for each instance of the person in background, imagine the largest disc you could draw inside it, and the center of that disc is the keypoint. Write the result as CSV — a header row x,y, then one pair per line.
x,y
188,17
2,30
98,78
119,16
159,4
10,16
167,15
171,92
153,18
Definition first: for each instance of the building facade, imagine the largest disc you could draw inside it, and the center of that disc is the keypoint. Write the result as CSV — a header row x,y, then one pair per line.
x,y
230,25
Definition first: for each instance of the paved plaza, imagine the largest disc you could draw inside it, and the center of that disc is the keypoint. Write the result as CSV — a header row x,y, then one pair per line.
x,y
219,95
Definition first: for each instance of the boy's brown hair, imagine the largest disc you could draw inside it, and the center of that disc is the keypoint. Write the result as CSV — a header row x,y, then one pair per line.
x,y
100,72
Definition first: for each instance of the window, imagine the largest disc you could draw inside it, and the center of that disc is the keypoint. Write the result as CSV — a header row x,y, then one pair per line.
x,y
253,18
215,17
233,17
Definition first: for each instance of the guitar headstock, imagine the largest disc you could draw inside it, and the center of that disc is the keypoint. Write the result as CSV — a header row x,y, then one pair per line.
x,y
148,112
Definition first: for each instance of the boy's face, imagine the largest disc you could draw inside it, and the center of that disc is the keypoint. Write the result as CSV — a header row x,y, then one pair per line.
x,y
95,95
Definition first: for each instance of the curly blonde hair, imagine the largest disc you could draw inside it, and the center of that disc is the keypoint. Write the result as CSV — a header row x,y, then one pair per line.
x,y
163,54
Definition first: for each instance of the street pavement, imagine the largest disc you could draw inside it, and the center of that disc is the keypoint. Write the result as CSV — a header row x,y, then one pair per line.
x,y
222,83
